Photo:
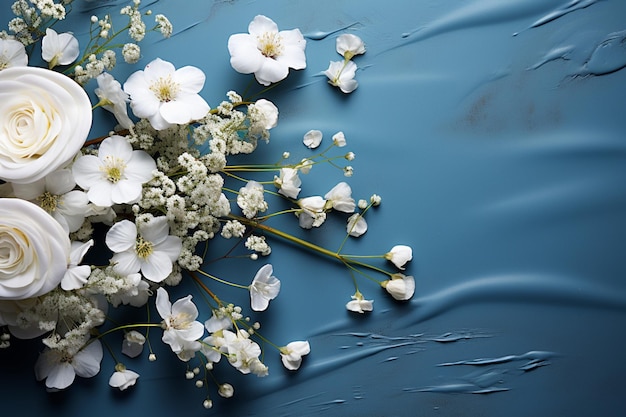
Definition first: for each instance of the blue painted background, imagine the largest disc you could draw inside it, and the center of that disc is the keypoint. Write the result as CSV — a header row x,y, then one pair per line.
x,y
495,133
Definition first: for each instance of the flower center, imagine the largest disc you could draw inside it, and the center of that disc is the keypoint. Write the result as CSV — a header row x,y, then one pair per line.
x,y
165,89
113,168
48,201
4,63
270,44
143,248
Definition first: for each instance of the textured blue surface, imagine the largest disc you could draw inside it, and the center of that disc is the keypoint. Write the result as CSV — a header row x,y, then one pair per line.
x,y
495,133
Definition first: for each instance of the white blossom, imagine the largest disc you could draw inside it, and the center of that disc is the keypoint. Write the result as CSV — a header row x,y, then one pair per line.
x,y
358,304
291,355
341,74
340,198
180,328
116,174
251,199
288,183
123,378
59,369
349,45
339,139
76,275
113,98
311,213
147,247
133,342
226,390
264,287
56,194
12,54
312,139
59,48
399,255
356,225
401,287
266,52
165,95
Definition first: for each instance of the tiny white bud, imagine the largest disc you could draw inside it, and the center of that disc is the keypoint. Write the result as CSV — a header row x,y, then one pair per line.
x,y
196,370
209,366
207,404
152,357
189,375
199,383
254,256
362,204
350,156
286,155
94,19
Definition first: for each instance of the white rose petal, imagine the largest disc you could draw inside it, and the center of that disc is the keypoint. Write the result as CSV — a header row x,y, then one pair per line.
x,y
45,118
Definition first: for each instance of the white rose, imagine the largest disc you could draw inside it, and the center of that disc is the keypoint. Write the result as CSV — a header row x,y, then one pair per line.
x,y
45,118
34,250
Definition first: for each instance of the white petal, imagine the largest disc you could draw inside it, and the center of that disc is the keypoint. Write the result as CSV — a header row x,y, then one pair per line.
x,y
87,361
122,236
262,24
61,376
157,267
163,305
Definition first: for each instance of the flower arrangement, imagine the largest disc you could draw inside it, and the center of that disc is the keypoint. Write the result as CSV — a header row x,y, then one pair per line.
x,y
145,201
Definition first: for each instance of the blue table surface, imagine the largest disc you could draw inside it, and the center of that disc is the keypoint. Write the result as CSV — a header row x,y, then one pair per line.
x,y
495,133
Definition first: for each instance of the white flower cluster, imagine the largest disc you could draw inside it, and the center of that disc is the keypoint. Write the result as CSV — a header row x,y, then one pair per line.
x,y
158,189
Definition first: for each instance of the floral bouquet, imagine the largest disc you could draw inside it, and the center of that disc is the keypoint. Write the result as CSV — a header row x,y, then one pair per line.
x,y
90,224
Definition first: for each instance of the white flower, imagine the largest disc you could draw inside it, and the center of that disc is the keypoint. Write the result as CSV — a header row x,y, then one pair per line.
x,y
134,291
288,183
312,212
34,250
132,346
401,287
349,45
76,275
341,74
264,287
12,54
148,248
291,355
359,305
45,118
165,95
339,139
123,378
251,199
179,325
399,255
242,353
356,225
116,175
340,198
312,139
55,193
226,390
266,52
265,114
59,369
113,98
59,49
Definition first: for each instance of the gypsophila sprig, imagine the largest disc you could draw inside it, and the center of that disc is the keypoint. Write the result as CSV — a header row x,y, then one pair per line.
x,y
95,226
